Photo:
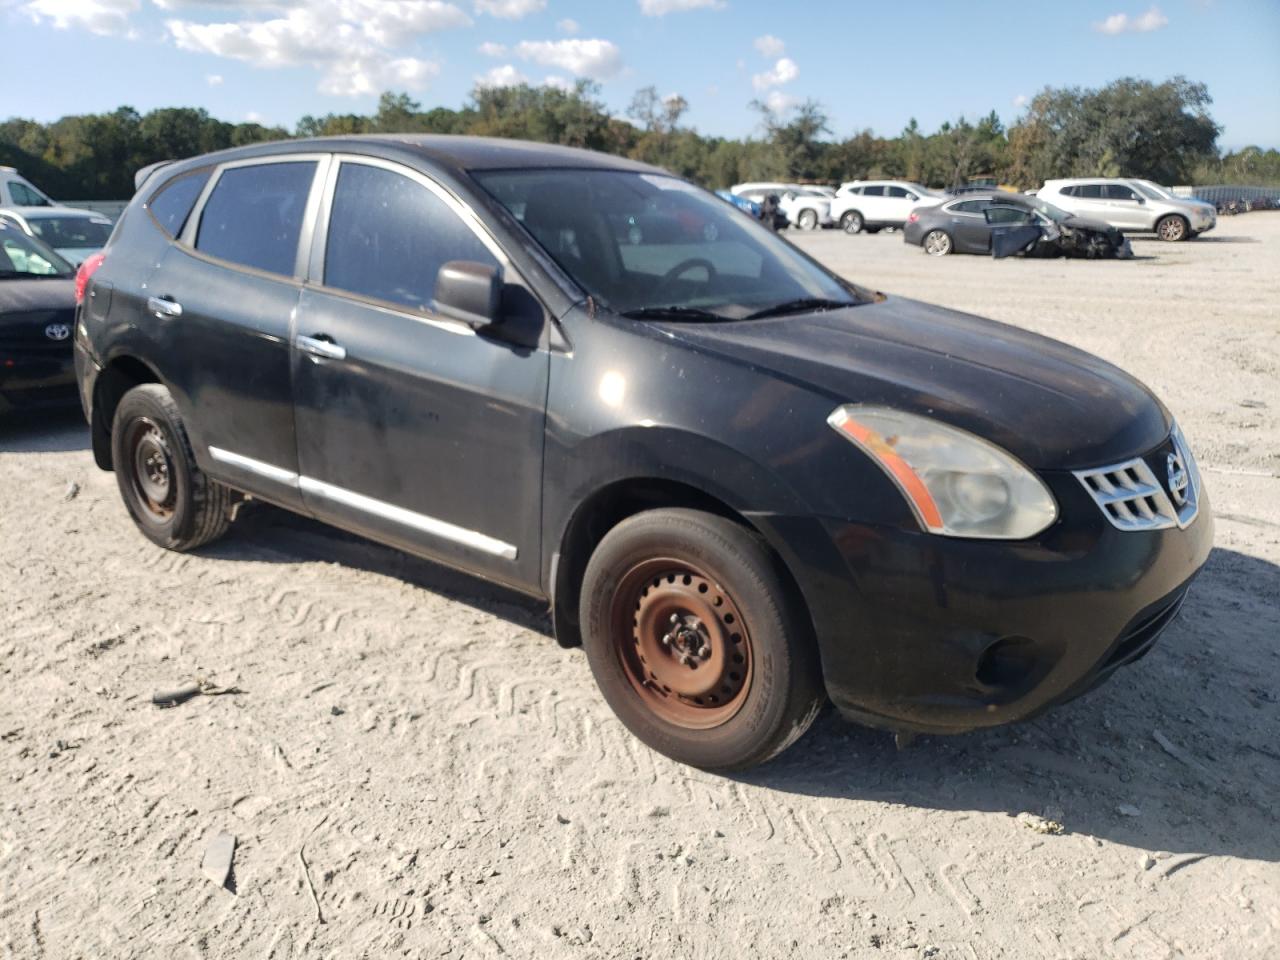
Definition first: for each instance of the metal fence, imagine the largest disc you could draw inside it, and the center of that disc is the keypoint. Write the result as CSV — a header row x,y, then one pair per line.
x,y
1225,193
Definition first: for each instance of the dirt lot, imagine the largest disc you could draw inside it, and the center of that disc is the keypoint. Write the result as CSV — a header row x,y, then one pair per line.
x,y
455,787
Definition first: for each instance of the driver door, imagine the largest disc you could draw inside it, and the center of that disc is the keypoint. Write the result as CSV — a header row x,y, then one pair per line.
x,y
412,428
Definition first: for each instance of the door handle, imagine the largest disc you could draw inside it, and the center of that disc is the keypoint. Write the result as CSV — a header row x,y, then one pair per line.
x,y
164,307
321,347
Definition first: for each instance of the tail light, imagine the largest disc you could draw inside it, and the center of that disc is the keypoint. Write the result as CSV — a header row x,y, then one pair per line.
x,y
913,218
87,270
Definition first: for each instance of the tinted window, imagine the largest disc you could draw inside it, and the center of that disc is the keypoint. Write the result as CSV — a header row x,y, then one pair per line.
x,y
1002,214
254,215
854,191
172,203
24,196
897,192
968,206
1090,191
1114,191
389,236
873,191
1069,191
72,231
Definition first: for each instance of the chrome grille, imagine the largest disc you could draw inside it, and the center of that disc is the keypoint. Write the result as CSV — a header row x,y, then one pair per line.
x,y
1132,498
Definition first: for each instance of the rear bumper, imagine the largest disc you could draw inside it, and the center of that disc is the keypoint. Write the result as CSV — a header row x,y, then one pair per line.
x,y
937,635
35,379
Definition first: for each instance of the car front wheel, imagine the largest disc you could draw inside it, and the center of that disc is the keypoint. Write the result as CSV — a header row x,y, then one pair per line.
x,y
696,640
170,499
808,220
1172,228
937,243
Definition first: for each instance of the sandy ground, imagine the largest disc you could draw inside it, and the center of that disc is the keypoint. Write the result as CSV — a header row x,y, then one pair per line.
x,y
456,788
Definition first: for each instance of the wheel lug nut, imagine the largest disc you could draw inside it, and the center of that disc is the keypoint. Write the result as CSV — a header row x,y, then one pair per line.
x,y
666,640
704,652
675,618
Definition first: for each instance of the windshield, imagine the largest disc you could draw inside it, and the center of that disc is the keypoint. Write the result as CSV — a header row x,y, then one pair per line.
x,y
644,242
1152,191
23,256
71,231
1047,209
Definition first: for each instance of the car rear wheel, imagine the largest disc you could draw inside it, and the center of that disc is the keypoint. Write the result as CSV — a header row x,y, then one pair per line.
x,y
852,222
170,499
937,243
808,220
696,640
1172,228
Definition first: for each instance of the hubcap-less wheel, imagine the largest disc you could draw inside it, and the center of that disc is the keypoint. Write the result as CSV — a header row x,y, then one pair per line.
x,y
152,467
682,643
1172,229
937,243
852,222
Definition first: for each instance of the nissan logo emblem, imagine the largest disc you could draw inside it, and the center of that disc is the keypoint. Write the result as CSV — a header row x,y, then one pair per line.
x,y
1177,479
57,331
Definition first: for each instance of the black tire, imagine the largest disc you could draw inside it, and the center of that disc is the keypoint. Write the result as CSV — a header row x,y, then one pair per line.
x,y
780,690
807,220
851,222
872,229
170,499
1173,228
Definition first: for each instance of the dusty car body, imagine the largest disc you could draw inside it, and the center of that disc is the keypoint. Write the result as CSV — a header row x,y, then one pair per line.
x,y
1005,224
743,483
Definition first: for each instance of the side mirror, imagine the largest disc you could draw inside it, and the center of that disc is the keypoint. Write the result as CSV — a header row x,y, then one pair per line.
x,y
469,292
1141,199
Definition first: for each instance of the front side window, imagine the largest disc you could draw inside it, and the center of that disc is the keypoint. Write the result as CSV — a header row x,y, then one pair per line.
x,y
24,196
1007,214
1115,191
172,203
254,215
389,236
647,242
898,192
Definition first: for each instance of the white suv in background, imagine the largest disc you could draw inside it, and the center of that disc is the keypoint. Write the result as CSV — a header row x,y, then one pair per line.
x,y
17,191
1133,206
872,204
805,207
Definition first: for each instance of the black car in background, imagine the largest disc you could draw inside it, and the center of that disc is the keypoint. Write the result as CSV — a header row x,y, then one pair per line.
x,y
37,316
743,483
1001,224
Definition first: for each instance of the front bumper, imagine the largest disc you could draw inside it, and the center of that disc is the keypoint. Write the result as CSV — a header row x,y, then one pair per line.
x,y
36,378
932,634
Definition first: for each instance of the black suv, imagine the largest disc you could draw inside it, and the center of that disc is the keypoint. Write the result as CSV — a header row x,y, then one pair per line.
x,y
743,483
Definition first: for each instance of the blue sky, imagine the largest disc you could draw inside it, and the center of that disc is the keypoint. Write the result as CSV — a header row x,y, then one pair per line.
x,y
869,64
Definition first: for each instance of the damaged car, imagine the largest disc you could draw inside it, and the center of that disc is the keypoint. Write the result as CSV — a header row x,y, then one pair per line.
x,y
1003,225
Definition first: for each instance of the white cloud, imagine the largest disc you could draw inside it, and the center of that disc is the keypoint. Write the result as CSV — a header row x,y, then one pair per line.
x,y
568,25
103,17
660,8
504,76
1153,19
780,102
596,59
1021,100
353,43
770,46
253,116
784,71
558,83
490,49
213,79
510,9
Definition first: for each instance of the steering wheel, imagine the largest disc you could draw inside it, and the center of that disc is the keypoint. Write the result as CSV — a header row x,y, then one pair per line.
x,y
684,266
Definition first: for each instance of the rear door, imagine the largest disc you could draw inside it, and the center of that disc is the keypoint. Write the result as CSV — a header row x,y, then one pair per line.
x,y
223,301
873,204
968,227
413,428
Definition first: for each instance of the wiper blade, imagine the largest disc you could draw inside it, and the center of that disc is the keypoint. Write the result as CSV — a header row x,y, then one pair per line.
x,y
803,305
673,311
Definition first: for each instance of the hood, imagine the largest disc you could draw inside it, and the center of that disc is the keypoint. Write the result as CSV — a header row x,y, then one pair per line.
x,y
1049,404
28,308
1089,223
38,293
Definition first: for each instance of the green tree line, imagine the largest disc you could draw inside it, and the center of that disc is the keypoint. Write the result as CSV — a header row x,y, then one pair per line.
x,y
1162,131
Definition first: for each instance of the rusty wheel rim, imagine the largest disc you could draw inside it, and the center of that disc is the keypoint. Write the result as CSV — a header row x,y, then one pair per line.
x,y
682,643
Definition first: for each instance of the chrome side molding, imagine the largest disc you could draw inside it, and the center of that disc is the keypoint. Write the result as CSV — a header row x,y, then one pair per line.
x,y
432,526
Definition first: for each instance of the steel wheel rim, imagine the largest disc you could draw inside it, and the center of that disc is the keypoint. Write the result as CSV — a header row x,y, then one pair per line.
x,y
151,473
682,643
937,243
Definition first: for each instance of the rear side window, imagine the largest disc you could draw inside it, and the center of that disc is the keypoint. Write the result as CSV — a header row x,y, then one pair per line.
x,y
389,236
172,203
1090,191
254,215
969,206
873,191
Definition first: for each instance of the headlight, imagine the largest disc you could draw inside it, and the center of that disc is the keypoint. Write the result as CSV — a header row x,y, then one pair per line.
x,y
957,484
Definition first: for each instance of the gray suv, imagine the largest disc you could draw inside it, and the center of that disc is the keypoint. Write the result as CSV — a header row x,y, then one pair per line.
x,y
1134,206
